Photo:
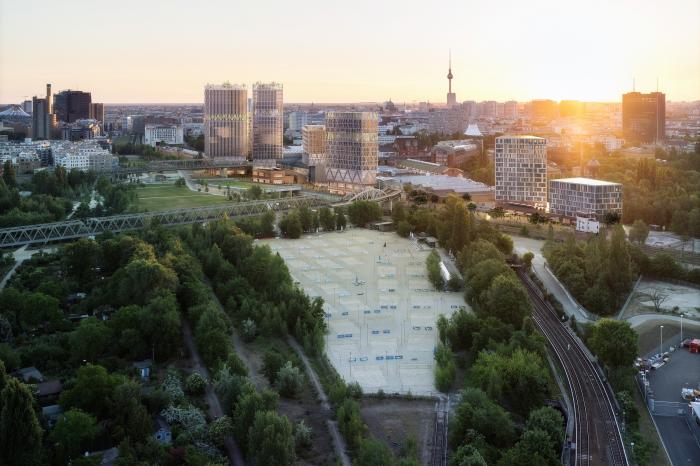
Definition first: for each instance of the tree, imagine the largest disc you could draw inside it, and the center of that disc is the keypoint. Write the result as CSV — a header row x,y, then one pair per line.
x,y
20,433
403,229
270,440
8,174
91,391
476,411
74,430
327,219
445,369
373,452
527,260
548,420
533,449
303,435
196,384
478,251
639,232
350,423
90,340
221,428
507,300
289,381
272,363
363,212
432,263
657,297
614,342
249,403
467,455
340,220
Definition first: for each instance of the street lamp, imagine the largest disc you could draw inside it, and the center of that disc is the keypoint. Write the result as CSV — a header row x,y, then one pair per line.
x,y
662,340
681,328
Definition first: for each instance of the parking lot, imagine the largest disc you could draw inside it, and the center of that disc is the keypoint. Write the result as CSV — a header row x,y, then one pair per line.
x,y
682,371
380,307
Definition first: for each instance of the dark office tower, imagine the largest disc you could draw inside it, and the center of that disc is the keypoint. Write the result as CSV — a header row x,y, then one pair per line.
x,y
644,117
41,123
97,111
70,106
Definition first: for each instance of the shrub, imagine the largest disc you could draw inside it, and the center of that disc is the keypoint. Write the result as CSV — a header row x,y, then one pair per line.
x,y
196,384
290,381
302,435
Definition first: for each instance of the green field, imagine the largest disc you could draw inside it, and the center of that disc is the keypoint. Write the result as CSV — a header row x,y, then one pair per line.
x,y
168,196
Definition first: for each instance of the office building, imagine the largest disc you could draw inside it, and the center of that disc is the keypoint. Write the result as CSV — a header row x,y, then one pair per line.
x,y
27,106
521,171
313,140
70,106
447,121
351,142
226,120
644,117
42,116
168,134
268,124
584,197
297,120
97,112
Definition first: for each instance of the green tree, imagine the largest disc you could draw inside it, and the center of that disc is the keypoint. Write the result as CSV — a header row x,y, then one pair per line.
x,y
467,455
196,384
91,391
432,264
363,212
20,433
221,428
8,174
249,403
73,431
372,452
340,220
289,381
271,440
548,420
506,299
350,423
639,231
476,411
327,219
614,342
90,340
533,449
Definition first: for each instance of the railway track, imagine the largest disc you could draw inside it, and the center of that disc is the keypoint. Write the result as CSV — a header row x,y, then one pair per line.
x,y
596,439
439,455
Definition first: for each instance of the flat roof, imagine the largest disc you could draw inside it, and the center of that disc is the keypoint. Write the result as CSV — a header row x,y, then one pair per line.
x,y
587,181
518,136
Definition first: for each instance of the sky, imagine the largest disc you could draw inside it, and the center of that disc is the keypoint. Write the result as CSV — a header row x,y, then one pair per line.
x,y
165,51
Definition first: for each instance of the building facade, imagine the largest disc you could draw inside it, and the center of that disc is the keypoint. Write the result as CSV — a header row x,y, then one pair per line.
x,y
268,124
226,121
351,142
70,106
313,140
584,197
521,170
82,156
168,134
97,111
644,117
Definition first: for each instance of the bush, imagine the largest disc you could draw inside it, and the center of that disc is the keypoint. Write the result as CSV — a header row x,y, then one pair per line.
x,y
290,381
196,384
302,435
272,363
249,330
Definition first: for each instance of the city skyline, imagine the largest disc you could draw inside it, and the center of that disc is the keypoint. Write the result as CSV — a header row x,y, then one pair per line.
x,y
166,52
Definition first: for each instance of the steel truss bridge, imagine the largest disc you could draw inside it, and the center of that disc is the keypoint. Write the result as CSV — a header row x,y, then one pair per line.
x,y
72,229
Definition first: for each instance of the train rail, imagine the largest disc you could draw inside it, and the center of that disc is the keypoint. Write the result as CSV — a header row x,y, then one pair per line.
x,y
596,438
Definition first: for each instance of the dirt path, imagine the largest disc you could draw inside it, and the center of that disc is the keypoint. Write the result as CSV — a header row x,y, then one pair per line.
x,y
338,441
232,449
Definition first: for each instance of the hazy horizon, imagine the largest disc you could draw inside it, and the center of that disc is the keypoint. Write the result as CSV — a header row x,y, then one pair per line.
x,y
165,52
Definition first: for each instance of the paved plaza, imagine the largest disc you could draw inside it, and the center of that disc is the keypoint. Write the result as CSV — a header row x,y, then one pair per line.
x,y
380,307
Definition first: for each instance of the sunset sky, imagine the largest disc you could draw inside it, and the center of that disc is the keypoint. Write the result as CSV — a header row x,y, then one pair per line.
x,y
358,50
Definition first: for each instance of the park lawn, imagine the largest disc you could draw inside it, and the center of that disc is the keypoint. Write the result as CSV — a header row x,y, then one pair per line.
x,y
231,183
167,196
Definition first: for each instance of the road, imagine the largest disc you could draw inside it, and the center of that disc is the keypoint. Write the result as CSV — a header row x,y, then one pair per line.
x,y
596,437
234,452
338,441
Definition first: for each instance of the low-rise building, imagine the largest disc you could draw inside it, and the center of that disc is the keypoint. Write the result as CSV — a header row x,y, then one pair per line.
x,y
271,175
159,133
584,197
83,155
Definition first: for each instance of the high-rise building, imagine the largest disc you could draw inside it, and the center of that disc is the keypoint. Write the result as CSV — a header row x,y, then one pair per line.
x,y
27,106
97,112
43,119
70,106
226,120
470,108
313,140
451,96
571,197
297,120
510,109
644,117
351,142
521,170
268,124
543,110
487,109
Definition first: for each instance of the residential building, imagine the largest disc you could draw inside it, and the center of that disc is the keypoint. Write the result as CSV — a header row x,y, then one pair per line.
x,y
351,142
297,120
268,124
644,117
226,121
448,121
510,109
487,109
84,155
70,106
521,170
584,197
168,134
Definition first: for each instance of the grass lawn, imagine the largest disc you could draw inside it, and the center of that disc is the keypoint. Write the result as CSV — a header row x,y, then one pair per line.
x,y
168,196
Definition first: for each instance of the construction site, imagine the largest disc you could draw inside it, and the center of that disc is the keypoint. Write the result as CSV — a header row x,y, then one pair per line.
x,y
381,310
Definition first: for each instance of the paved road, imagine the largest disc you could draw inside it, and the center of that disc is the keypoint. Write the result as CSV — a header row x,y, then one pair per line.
x,y
234,452
338,441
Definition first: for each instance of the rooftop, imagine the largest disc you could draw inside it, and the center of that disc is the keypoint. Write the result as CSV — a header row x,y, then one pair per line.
x,y
587,181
